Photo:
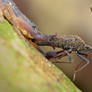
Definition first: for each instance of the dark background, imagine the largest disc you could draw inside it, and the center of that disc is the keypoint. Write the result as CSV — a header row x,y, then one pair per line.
x,y
71,17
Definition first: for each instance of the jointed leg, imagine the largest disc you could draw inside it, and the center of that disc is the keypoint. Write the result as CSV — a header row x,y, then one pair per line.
x,y
65,53
53,54
78,68
58,55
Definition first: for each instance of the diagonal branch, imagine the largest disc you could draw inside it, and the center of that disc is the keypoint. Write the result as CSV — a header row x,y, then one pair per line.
x,y
24,69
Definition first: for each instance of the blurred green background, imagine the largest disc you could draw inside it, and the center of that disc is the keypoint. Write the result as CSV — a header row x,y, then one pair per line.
x,y
64,17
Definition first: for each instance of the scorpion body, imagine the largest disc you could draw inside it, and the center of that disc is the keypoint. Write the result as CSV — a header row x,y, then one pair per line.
x,y
69,43
28,30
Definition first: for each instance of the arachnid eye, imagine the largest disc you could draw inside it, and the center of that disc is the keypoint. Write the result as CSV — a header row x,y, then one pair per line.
x,y
87,47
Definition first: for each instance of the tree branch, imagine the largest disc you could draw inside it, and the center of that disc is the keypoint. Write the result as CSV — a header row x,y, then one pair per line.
x,y
24,69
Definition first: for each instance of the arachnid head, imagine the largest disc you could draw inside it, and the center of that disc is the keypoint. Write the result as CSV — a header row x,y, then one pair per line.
x,y
87,49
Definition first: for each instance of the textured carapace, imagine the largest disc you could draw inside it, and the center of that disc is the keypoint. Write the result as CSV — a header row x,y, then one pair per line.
x,y
69,43
73,42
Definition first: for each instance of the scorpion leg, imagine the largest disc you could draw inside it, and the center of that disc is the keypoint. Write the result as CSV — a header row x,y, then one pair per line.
x,y
82,67
66,54
60,54
69,57
53,54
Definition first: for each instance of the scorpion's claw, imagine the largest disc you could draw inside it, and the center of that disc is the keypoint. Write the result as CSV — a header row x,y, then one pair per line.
x,y
50,44
58,54
50,54
53,54
52,37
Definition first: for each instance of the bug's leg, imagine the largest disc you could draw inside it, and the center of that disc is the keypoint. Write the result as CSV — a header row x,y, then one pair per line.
x,y
53,54
62,54
78,68
67,54
58,54
69,57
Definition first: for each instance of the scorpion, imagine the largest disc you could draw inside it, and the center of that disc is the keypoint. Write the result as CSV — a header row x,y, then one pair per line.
x,y
26,28
69,44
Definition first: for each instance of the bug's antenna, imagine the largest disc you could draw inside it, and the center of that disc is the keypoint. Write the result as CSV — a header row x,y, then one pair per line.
x,y
78,68
74,76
